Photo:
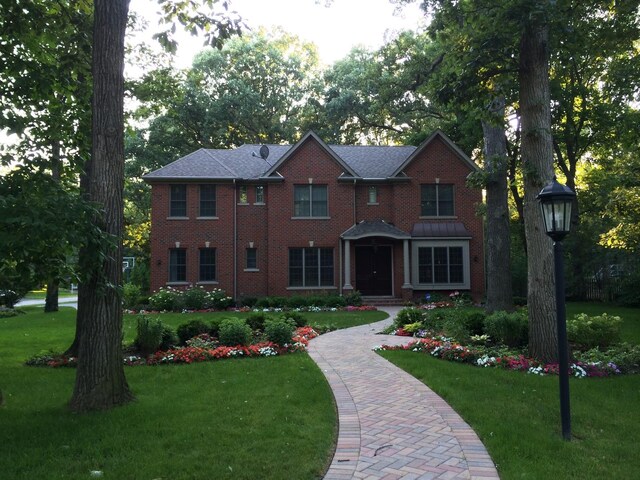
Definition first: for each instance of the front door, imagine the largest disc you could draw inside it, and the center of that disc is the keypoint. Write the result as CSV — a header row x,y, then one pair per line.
x,y
373,270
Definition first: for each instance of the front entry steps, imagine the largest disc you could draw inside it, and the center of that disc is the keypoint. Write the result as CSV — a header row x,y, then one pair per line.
x,y
382,301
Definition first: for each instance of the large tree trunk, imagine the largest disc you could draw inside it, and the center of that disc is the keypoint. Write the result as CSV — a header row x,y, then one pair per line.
x,y
53,284
499,291
537,160
100,380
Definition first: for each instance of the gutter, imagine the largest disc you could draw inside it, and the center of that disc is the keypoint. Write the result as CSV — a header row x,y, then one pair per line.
x,y
235,240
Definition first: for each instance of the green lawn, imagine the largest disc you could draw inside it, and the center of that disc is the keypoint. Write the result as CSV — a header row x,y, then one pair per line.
x,y
517,415
267,418
42,294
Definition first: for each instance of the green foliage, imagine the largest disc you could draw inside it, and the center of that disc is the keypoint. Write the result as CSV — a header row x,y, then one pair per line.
x,y
140,275
191,329
149,334
409,315
256,320
593,331
412,327
511,329
130,295
8,312
354,298
194,298
279,331
297,318
8,298
164,299
169,338
234,331
624,355
218,299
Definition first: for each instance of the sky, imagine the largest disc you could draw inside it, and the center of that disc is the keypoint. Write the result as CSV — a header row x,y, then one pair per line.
x,y
335,29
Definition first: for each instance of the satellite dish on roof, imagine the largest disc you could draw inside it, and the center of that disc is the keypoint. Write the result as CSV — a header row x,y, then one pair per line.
x,y
264,152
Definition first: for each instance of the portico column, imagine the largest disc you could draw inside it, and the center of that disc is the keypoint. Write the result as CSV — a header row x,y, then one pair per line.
x,y
407,272
347,266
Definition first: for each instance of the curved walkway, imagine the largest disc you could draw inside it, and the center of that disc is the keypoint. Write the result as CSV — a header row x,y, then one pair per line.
x,y
391,425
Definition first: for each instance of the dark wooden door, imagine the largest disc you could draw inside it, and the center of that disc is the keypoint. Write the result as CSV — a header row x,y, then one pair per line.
x,y
373,270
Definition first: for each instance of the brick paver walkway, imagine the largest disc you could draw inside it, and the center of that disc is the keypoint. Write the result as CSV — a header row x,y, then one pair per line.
x,y
392,426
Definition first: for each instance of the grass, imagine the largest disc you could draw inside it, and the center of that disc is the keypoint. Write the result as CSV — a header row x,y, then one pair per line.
x,y
517,415
42,294
268,418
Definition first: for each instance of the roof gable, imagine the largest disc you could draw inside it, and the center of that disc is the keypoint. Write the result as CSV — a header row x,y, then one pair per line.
x,y
310,136
447,141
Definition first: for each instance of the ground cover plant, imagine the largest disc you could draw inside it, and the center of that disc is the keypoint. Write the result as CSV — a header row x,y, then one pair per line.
x,y
252,418
517,416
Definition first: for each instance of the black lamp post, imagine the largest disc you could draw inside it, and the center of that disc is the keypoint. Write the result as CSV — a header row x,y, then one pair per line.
x,y
556,201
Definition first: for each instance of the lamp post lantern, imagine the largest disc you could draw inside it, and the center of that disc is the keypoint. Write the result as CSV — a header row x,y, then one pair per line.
x,y
556,202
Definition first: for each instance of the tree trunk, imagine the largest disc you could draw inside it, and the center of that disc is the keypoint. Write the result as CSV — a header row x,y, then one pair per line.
x,y
499,291
537,161
100,380
51,302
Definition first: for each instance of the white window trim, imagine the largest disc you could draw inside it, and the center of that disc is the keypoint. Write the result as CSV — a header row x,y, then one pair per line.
x,y
466,264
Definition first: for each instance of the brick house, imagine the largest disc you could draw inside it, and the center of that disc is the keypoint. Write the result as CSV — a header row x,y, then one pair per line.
x,y
280,220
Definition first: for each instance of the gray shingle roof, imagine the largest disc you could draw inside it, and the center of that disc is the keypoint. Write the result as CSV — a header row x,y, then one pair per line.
x,y
241,163
369,162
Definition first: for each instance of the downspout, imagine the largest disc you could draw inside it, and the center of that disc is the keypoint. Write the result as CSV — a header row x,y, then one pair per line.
x,y
340,270
355,215
235,241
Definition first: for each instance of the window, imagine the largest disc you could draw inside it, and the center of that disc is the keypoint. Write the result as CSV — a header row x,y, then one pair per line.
x,y
310,267
207,265
242,195
441,263
178,202
373,195
177,265
207,200
259,194
436,200
252,259
310,201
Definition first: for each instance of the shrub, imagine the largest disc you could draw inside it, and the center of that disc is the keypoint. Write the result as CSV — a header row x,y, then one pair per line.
x,y
412,327
474,321
624,356
454,326
169,338
9,298
298,301
296,317
204,340
218,299
511,329
434,320
140,275
248,301
279,331
130,295
165,299
149,334
195,298
598,331
214,326
190,329
256,320
354,298
234,331
409,315
8,312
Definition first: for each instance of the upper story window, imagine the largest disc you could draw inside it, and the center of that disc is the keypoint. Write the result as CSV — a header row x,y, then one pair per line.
x,y
243,196
436,200
373,195
259,194
207,201
178,201
177,265
310,201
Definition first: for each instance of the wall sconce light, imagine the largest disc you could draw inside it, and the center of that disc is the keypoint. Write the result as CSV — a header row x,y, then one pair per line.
x,y
311,243
310,180
250,244
206,244
177,244
159,262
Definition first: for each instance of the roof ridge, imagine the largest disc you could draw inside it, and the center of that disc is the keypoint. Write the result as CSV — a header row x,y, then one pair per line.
x,y
213,157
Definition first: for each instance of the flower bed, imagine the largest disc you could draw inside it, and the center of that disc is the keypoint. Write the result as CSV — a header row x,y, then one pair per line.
x,y
350,308
193,354
445,348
